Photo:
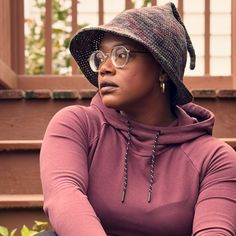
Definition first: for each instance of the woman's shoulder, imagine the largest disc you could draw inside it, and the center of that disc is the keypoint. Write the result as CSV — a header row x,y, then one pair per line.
x,y
207,150
81,119
80,113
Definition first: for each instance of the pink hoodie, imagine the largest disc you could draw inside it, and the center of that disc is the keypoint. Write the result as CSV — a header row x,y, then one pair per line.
x,y
82,171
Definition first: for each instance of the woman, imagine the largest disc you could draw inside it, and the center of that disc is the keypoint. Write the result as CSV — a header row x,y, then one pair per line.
x,y
140,160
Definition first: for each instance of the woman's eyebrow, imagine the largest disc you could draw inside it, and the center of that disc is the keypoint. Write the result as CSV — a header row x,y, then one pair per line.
x,y
130,46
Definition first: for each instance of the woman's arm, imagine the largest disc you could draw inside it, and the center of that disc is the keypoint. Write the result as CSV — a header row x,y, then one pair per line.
x,y
64,175
215,213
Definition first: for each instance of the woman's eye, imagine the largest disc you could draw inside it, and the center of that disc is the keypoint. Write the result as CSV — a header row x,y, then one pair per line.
x,y
121,55
100,58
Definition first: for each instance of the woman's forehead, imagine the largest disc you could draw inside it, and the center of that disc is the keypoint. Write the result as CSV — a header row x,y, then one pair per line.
x,y
110,40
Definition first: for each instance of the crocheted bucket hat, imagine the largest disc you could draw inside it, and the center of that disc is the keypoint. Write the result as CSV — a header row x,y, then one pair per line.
x,y
158,28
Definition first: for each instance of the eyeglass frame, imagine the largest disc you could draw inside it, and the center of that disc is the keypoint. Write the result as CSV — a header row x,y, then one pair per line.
x,y
109,55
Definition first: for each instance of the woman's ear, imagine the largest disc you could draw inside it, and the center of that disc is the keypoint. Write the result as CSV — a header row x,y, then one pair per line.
x,y
163,77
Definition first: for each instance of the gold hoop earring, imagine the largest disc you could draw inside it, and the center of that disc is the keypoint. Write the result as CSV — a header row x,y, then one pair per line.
x,y
163,86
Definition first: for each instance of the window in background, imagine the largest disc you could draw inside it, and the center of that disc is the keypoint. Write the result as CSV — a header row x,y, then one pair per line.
x,y
194,22
35,36
112,8
220,37
34,12
87,12
61,34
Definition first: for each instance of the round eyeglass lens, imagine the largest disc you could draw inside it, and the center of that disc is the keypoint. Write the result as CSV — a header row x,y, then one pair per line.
x,y
95,60
120,56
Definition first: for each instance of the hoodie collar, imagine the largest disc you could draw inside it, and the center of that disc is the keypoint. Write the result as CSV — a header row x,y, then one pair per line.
x,y
192,121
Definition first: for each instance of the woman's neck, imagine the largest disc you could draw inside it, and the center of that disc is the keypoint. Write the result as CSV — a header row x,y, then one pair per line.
x,y
157,116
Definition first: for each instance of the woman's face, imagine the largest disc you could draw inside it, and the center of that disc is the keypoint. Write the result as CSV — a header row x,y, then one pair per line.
x,y
133,86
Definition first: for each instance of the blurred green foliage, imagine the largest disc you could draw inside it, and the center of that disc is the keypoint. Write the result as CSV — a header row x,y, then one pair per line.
x,y
35,41
61,34
38,227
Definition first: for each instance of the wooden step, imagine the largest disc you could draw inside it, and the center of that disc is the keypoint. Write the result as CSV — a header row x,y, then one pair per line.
x,y
17,210
230,141
21,197
11,145
224,110
8,201
26,114
19,167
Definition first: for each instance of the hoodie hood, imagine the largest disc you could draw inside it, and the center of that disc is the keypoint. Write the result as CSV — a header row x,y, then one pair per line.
x,y
192,122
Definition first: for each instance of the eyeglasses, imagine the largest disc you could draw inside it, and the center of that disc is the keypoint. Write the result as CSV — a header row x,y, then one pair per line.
x,y
119,56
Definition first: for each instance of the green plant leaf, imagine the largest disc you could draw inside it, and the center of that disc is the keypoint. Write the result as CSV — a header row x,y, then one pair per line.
x,y
13,232
41,223
3,231
25,231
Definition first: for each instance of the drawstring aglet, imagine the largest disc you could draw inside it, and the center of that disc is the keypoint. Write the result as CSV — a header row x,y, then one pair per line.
x,y
123,196
149,196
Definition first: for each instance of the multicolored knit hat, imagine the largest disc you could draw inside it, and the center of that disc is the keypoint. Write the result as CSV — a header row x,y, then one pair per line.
x,y
158,28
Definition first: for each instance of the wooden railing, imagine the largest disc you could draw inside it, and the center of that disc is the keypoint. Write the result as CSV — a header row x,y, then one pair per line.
x,y
12,67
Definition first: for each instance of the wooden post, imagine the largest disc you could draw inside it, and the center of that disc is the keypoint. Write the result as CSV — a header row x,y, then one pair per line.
x,y
128,4
17,36
100,12
48,38
207,37
233,43
181,8
7,76
74,26
154,2
5,26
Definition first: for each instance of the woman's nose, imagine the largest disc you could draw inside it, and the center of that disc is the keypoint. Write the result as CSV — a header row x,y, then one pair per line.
x,y
107,67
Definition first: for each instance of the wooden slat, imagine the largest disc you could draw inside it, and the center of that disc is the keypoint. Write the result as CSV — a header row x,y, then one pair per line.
x,y
19,171
230,141
8,78
181,8
74,26
5,30
53,82
74,14
27,119
100,12
20,145
207,37
17,36
154,2
233,41
128,4
21,200
208,82
80,82
36,144
48,38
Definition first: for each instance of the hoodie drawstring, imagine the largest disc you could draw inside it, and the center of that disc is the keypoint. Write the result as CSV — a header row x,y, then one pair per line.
x,y
125,184
153,161
152,166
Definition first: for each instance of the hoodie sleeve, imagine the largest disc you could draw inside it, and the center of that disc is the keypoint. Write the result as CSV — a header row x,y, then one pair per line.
x,y
215,212
64,175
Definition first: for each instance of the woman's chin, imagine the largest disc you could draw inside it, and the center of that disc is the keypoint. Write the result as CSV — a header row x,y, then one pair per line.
x,y
111,102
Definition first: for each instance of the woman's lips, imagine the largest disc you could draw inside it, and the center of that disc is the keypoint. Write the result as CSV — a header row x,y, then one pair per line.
x,y
107,87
